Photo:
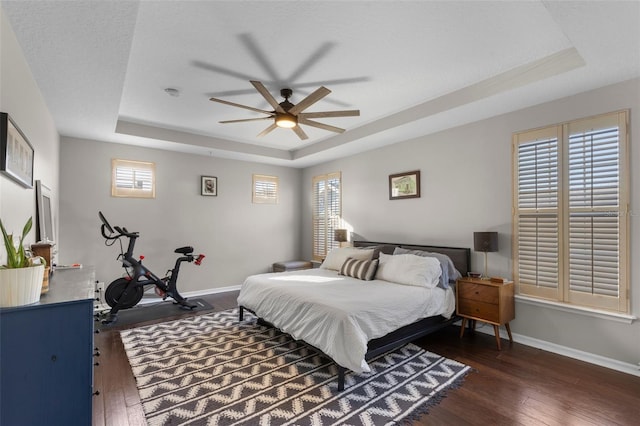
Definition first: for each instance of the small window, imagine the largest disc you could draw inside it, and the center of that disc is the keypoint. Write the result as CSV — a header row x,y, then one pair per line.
x,y
133,179
265,189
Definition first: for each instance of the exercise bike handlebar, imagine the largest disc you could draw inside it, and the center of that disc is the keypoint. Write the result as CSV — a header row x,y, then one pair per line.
x,y
112,230
123,231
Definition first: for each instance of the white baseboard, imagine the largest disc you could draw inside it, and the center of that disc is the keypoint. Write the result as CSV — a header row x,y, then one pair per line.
x,y
211,291
151,297
614,364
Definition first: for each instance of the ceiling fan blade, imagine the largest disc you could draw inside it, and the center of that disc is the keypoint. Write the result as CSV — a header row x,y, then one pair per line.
x,y
314,97
245,119
301,134
324,114
265,94
221,101
319,125
267,130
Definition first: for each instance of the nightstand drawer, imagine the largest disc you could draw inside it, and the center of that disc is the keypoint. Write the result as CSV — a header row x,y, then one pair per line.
x,y
479,292
477,309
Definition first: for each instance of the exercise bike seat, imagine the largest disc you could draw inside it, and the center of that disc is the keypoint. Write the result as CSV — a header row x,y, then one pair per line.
x,y
184,250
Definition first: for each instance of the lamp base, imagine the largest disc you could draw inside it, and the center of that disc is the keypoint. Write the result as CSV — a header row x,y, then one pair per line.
x,y
485,276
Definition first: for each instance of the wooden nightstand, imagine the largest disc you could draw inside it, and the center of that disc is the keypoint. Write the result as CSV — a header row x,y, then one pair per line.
x,y
486,301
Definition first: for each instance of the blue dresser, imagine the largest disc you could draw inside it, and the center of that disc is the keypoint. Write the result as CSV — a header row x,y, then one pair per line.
x,y
46,354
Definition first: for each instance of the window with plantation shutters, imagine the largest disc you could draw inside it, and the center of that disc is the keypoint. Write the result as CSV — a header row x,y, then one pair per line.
x,y
570,212
537,207
135,179
326,212
265,189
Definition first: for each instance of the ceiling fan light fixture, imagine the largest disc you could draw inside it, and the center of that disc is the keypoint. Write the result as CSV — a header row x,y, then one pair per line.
x,y
286,121
287,115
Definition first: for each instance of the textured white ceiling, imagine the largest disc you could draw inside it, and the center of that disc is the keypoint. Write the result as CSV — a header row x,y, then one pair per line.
x,y
411,67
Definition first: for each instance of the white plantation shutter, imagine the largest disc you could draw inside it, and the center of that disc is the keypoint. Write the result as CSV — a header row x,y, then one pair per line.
x,y
537,194
265,189
570,212
596,233
326,212
538,252
538,174
594,262
134,179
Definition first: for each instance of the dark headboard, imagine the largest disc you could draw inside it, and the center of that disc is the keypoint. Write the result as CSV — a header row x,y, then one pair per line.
x,y
460,256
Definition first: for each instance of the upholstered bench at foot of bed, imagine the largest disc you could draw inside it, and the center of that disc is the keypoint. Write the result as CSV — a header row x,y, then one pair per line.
x,y
292,265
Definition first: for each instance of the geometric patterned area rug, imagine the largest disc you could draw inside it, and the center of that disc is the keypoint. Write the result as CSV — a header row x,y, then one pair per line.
x,y
213,370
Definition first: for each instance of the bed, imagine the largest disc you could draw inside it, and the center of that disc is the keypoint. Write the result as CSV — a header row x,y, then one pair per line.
x,y
352,317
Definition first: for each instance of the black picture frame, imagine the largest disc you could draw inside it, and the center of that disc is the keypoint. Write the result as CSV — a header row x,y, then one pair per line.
x,y
209,186
404,185
16,153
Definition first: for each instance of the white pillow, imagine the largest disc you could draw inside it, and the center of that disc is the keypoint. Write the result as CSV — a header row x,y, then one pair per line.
x,y
409,269
449,271
336,257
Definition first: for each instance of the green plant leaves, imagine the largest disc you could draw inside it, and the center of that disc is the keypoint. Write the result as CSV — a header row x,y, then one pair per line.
x,y
16,257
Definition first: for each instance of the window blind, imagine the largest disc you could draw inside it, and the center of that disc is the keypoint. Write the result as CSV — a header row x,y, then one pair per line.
x,y
594,183
537,195
570,212
326,212
132,179
265,189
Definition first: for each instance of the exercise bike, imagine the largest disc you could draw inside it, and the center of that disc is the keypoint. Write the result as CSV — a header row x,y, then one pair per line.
x,y
127,291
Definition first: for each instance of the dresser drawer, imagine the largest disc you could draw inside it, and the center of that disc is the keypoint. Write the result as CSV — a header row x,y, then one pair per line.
x,y
477,309
479,292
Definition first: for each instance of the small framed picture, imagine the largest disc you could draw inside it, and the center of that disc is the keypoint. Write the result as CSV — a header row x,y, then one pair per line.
x,y
209,186
16,153
404,185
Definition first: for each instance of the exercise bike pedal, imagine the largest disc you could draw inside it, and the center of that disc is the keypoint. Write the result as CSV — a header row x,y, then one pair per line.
x,y
161,293
110,319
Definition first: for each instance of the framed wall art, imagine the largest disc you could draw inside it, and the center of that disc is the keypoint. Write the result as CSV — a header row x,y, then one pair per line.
x,y
209,186
16,156
44,222
404,185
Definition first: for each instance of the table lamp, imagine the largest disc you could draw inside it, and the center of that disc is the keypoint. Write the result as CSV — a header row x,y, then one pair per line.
x,y
485,242
341,235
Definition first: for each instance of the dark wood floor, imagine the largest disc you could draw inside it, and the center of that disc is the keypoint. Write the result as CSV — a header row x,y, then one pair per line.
x,y
519,385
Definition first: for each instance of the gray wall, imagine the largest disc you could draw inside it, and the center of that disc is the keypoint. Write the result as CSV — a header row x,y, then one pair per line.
x,y
22,100
466,187
238,237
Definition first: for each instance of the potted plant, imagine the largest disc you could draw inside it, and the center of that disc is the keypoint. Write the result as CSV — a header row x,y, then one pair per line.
x,y
21,277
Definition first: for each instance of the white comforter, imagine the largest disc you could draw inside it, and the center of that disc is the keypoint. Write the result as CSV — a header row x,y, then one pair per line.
x,y
338,314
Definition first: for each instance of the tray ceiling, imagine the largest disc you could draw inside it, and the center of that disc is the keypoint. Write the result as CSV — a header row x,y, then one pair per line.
x,y
411,68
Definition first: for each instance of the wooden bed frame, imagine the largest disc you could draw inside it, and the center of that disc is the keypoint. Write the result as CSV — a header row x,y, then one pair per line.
x,y
461,258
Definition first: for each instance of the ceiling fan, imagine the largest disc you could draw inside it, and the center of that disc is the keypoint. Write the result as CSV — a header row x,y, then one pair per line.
x,y
290,116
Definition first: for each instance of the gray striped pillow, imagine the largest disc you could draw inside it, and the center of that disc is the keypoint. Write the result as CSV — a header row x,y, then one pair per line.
x,y
360,269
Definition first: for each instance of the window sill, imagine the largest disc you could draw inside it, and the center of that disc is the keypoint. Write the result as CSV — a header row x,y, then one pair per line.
x,y
611,316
